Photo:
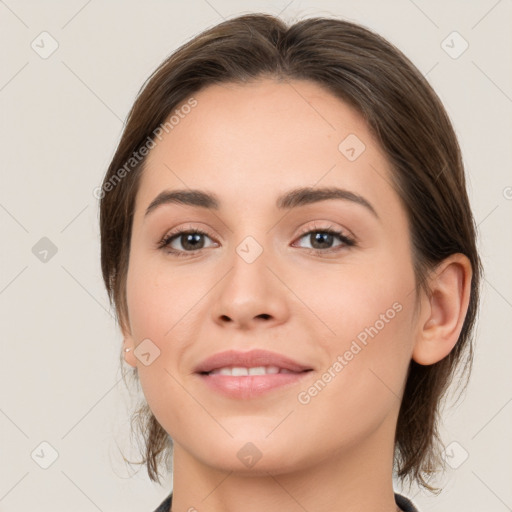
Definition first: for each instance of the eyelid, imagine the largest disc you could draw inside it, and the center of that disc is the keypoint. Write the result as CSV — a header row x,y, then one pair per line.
x,y
164,241
308,229
343,234
185,228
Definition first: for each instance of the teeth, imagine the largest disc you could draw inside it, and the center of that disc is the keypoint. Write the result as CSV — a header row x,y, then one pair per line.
x,y
238,371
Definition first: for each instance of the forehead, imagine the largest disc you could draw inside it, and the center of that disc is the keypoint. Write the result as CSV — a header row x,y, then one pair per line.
x,y
261,138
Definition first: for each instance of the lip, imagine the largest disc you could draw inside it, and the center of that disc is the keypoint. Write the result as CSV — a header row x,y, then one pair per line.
x,y
249,359
251,386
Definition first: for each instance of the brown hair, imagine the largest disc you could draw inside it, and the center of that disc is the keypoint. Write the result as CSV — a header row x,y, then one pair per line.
x,y
410,123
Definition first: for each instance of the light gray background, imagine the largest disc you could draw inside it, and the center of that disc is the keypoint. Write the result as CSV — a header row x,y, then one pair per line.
x,y
61,118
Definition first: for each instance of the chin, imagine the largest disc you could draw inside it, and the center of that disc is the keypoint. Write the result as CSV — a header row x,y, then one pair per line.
x,y
251,458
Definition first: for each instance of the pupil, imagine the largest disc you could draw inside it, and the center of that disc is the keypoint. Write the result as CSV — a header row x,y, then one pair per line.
x,y
191,237
325,238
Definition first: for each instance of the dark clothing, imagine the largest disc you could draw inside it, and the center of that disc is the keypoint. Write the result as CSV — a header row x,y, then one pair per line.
x,y
404,503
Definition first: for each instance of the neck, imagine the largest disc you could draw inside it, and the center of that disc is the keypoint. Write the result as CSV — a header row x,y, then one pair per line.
x,y
354,479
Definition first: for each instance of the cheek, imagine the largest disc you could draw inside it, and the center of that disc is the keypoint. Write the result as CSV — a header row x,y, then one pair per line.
x,y
354,297
160,300
369,311
156,303
362,381
162,307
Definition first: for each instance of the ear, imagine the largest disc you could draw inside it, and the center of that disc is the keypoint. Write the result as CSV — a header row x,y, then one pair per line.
x,y
443,312
129,343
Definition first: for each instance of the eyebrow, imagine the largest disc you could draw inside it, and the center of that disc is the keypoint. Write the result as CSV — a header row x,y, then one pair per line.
x,y
291,199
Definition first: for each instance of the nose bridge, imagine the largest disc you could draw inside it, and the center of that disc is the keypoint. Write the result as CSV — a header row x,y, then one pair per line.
x,y
250,292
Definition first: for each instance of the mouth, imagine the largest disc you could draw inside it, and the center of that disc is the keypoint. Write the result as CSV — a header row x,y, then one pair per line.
x,y
250,374
242,371
255,360
248,386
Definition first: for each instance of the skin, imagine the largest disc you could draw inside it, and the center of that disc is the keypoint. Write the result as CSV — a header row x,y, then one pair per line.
x,y
248,144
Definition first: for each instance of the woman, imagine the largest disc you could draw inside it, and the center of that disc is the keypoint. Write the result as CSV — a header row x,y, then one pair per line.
x,y
288,242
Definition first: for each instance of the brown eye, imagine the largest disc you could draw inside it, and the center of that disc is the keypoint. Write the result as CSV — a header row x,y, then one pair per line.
x,y
322,240
190,241
184,241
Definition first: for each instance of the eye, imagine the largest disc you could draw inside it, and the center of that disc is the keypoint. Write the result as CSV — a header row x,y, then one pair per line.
x,y
190,240
185,242
322,240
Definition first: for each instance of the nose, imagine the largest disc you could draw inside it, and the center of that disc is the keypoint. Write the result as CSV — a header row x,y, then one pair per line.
x,y
251,295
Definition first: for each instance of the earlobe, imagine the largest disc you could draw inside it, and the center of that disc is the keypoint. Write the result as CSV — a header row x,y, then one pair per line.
x,y
128,348
439,330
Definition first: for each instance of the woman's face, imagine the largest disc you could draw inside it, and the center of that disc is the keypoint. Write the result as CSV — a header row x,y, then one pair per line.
x,y
326,281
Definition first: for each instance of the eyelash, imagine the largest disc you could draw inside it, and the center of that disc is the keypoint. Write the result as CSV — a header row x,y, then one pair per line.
x,y
168,238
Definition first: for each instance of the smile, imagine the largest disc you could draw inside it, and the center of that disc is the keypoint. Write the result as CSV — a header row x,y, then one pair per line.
x,y
240,371
248,383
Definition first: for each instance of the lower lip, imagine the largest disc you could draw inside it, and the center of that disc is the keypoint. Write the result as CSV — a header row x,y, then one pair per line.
x,y
252,385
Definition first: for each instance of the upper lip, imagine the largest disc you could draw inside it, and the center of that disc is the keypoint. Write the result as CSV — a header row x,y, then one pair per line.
x,y
249,359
